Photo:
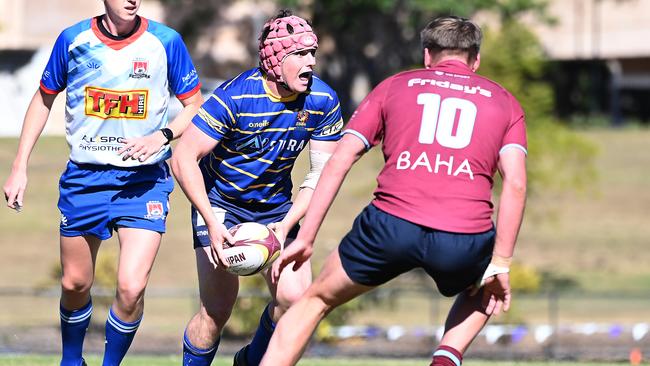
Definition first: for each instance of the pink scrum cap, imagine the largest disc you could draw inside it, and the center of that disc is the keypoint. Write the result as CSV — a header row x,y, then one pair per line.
x,y
286,36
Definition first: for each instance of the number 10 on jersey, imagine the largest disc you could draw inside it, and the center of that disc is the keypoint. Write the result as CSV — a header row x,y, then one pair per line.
x,y
438,119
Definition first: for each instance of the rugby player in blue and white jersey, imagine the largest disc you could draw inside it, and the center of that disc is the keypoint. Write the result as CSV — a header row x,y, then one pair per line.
x,y
234,164
117,69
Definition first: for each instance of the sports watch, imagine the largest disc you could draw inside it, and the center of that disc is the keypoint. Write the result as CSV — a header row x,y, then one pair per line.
x,y
168,133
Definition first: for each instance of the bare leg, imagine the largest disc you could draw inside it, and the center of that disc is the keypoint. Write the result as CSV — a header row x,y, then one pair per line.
x,y
138,249
78,256
332,288
465,320
290,287
218,293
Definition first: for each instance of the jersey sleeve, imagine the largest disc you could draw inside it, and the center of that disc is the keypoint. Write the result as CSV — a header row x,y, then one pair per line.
x,y
182,75
367,122
216,117
329,128
515,136
55,75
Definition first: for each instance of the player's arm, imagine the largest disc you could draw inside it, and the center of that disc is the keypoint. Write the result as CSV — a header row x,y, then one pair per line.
x,y
348,150
496,280
191,105
319,154
35,119
142,148
193,145
512,167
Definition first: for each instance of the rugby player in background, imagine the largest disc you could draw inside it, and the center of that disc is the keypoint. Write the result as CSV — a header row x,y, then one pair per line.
x,y
117,69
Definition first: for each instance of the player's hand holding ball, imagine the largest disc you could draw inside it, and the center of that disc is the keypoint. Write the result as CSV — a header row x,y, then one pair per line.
x,y
297,253
219,238
280,231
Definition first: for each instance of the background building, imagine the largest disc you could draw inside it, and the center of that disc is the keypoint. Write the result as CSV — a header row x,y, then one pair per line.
x,y
603,62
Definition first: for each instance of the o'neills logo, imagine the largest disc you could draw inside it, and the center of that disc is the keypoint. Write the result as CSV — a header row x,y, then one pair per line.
x,y
106,103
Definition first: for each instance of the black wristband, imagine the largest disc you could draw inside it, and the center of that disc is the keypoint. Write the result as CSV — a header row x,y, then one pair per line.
x,y
168,133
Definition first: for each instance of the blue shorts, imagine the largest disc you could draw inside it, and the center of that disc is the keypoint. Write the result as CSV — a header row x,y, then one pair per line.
x,y
97,199
231,214
380,246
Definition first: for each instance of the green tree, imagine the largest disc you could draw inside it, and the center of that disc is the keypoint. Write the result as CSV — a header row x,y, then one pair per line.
x,y
372,39
558,158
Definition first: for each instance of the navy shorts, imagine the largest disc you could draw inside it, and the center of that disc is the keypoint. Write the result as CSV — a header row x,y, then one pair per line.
x,y
97,199
231,214
380,246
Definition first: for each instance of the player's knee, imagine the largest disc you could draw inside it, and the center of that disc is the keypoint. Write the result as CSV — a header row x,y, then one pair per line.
x,y
287,297
319,304
130,295
71,283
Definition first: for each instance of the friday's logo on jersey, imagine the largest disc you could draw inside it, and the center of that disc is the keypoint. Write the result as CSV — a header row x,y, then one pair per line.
x,y
107,103
155,210
140,68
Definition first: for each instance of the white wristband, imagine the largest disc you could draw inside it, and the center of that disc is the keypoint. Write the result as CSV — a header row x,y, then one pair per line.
x,y
492,270
317,160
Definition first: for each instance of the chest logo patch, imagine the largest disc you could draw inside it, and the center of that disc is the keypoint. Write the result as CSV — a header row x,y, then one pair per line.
x,y
301,118
140,68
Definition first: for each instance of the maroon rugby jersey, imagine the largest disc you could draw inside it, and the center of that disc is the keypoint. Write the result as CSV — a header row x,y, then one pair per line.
x,y
442,129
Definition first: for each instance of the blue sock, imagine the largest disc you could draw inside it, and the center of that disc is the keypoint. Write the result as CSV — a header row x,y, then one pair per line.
x,y
195,356
73,331
261,339
119,335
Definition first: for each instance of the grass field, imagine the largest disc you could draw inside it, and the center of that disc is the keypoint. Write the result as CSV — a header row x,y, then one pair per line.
x,y
599,237
173,361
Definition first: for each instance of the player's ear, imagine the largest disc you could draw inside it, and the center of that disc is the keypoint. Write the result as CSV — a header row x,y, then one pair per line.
x,y
477,62
427,58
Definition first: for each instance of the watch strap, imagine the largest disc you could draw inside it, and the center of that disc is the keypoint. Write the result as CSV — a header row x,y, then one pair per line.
x,y
168,133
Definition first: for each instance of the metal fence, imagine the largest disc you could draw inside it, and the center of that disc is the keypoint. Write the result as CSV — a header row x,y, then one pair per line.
x,y
391,322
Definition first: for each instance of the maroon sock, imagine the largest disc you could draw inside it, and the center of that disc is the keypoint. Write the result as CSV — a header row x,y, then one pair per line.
x,y
446,356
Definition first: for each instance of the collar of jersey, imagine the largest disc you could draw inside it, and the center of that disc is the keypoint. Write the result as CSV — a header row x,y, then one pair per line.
x,y
274,97
117,43
455,66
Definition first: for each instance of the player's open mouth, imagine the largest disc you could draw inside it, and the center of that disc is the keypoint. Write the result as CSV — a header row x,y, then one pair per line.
x,y
305,76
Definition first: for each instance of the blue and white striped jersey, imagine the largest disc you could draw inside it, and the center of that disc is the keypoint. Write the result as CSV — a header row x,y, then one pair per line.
x,y
260,136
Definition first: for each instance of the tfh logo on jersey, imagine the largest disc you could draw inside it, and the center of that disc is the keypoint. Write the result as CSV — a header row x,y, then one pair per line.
x,y
155,210
140,68
106,103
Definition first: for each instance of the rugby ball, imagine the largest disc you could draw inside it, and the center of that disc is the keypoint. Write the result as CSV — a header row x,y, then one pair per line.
x,y
254,249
